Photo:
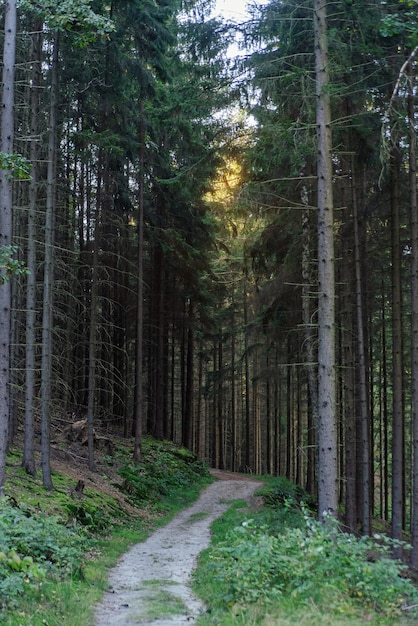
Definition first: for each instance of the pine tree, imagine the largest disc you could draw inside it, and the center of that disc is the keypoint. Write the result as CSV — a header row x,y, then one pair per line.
x,y
6,191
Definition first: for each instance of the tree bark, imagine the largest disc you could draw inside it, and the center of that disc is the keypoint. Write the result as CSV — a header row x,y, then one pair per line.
x,y
47,308
29,435
187,426
309,329
139,356
397,356
6,200
327,432
414,312
309,332
247,419
361,352
92,358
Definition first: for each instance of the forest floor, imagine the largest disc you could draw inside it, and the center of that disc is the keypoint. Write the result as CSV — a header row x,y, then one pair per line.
x,y
150,584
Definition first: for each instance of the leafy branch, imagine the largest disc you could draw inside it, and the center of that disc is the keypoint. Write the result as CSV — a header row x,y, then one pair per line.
x,y
75,16
9,265
18,166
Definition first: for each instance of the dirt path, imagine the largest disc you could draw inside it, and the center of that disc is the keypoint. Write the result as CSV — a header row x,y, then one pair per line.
x,y
150,585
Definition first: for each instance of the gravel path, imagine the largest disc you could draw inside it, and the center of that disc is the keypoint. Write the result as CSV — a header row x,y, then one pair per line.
x,y
157,571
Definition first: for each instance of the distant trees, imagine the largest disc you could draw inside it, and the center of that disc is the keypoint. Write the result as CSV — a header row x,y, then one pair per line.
x,y
122,154
281,178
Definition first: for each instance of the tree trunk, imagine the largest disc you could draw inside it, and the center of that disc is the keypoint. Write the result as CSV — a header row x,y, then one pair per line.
x,y
327,432
235,435
247,464
139,356
47,316
397,417
187,426
219,403
309,329
361,373
6,200
350,448
309,332
29,435
384,410
414,313
289,424
92,350
201,421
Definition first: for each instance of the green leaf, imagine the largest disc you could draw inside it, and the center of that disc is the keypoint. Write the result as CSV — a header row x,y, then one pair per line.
x,y
19,167
9,265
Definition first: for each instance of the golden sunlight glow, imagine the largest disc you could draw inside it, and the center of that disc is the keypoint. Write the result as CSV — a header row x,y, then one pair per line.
x,y
226,183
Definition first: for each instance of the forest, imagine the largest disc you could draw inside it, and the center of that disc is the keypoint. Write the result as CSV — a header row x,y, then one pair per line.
x,y
217,249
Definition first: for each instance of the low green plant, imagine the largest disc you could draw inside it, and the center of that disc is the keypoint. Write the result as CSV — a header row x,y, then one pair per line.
x,y
33,548
88,515
314,563
164,472
17,574
280,491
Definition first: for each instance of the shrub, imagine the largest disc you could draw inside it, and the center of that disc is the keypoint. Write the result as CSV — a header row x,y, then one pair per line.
x,y
33,547
252,565
282,491
17,574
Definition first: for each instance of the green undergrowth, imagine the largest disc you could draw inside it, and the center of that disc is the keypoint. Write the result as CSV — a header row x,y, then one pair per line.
x,y
56,547
164,477
278,565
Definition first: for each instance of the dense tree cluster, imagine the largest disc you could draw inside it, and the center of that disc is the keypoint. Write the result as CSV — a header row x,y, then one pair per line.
x,y
174,256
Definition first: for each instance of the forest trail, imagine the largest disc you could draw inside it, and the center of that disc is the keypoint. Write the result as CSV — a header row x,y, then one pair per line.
x,y
153,577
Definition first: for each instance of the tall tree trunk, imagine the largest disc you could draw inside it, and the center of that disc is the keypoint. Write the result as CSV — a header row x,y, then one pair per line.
x,y
361,373
162,362
327,431
47,308
384,410
6,200
92,350
267,468
350,447
397,417
299,429
247,464
276,416
28,461
139,356
187,426
414,311
309,330
219,403
156,348
289,424
235,435
201,421
349,467
255,389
